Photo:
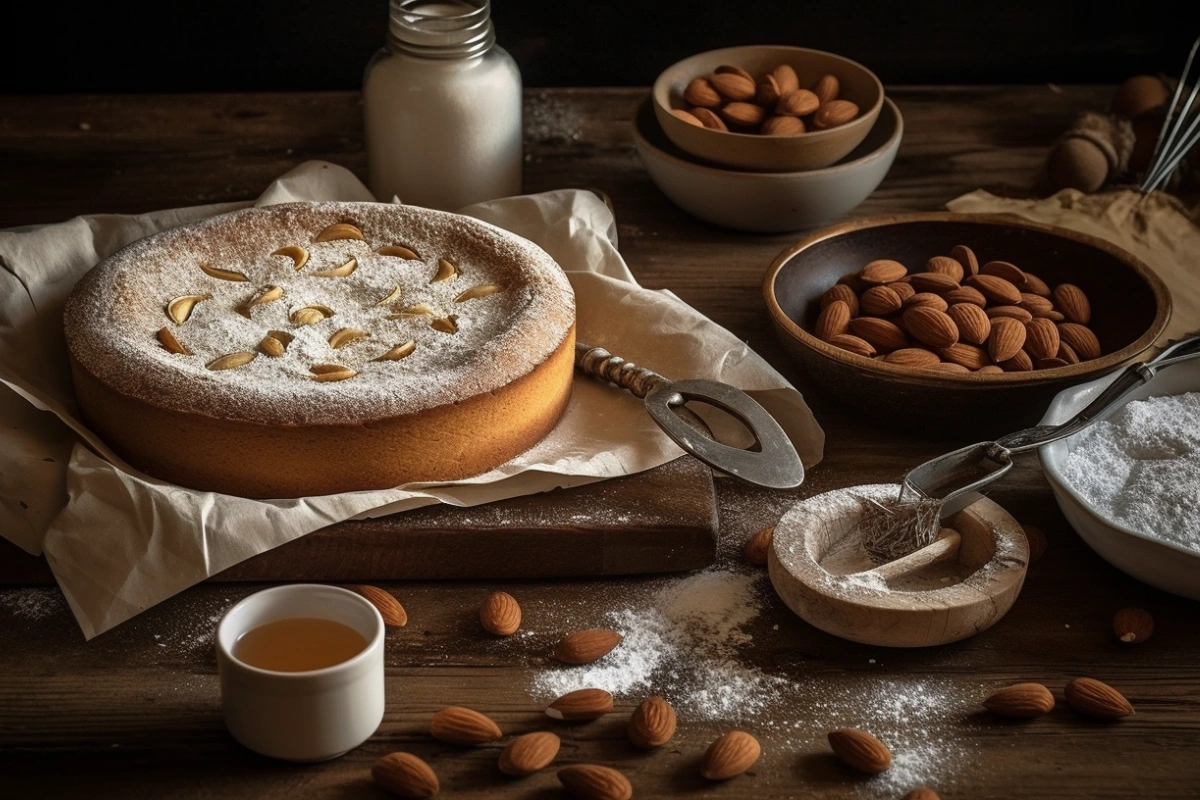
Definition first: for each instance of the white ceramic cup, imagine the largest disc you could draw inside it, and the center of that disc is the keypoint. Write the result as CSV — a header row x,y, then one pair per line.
x,y
302,716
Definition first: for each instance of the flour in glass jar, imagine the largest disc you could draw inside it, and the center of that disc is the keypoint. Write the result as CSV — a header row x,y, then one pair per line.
x,y
1141,468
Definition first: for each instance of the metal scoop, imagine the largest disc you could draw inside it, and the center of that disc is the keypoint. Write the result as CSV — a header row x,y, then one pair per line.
x,y
955,479
771,461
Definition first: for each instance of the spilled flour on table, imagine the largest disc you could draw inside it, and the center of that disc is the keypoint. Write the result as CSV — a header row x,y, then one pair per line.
x,y
33,603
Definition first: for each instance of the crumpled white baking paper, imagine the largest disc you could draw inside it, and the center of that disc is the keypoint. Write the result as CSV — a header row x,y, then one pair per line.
x,y
119,541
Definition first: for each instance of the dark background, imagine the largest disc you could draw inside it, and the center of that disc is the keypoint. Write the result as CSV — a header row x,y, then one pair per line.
x,y
307,45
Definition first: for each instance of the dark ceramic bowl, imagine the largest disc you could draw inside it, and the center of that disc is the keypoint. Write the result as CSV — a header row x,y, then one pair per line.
x,y
1130,308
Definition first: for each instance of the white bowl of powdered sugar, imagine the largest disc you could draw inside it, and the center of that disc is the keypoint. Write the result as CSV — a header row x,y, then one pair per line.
x,y
1130,484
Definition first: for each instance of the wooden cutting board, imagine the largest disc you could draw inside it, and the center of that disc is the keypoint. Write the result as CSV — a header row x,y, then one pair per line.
x,y
661,520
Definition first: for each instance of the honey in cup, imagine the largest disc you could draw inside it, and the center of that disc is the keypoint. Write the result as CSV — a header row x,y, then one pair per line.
x,y
298,644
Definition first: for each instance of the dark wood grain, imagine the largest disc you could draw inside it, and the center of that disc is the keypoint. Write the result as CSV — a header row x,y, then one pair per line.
x,y
136,711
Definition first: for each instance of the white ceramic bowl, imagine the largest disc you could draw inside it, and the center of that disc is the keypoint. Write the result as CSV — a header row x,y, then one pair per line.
x,y
768,202
1159,563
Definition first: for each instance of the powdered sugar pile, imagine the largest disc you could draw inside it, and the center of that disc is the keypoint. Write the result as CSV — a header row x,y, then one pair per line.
x,y
1141,468
681,642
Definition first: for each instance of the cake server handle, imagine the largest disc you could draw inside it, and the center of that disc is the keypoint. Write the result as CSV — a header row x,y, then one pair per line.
x,y
771,461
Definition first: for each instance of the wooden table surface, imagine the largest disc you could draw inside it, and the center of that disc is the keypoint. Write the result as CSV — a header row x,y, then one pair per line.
x,y
136,711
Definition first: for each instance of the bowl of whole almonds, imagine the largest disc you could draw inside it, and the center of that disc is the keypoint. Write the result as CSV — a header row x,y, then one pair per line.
x,y
958,325
771,108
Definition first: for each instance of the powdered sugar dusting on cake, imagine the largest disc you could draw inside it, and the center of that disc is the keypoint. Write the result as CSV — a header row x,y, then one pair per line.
x,y
116,311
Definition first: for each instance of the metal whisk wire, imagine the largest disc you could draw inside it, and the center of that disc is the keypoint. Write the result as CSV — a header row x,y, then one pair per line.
x,y
1180,131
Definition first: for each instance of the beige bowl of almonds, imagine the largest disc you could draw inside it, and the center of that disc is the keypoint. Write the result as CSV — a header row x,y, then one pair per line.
x,y
958,325
767,108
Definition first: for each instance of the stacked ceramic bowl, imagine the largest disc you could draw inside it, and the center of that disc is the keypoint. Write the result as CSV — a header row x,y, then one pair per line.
x,y
767,139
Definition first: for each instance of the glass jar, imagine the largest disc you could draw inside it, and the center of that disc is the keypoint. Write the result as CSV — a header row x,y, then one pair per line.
x,y
442,108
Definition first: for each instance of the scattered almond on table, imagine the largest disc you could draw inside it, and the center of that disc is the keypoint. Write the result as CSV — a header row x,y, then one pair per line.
x,y
1133,625
581,705
774,104
1021,700
394,615
529,753
921,793
860,750
1094,698
500,614
957,316
595,782
586,646
1037,542
405,775
730,755
652,723
465,726
757,546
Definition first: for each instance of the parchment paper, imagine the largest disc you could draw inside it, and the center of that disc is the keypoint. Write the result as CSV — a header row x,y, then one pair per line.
x,y
119,542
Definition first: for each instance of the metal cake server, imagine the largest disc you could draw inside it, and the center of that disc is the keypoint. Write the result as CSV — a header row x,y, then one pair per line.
x,y
771,462
954,479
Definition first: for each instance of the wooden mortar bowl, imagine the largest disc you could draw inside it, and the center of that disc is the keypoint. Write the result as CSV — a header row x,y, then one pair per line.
x,y
815,550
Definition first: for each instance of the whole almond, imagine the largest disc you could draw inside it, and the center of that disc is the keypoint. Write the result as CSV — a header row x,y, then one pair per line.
x,y
584,647
1081,339
966,355
1022,700
923,299
389,607
832,320
965,256
459,725
782,126
581,705
767,93
860,750
990,369
973,323
1041,338
730,68
827,88
1133,625
834,113
853,344
729,756
1066,352
1012,312
757,546
733,87
1021,362
1035,304
1049,363
1006,270
947,266
1073,303
743,115
996,289
965,294
883,270
902,288
947,368
883,335
709,119
529,753
912,357
921,793
652,723
700,92
786,78
841,291
1097,699
595,782
797,103
1036,285
687,116
500,614
1006,339
405,775
936,282
879,301
934,328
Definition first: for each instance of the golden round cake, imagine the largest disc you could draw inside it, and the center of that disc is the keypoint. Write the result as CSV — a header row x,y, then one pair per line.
x,y
312,348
